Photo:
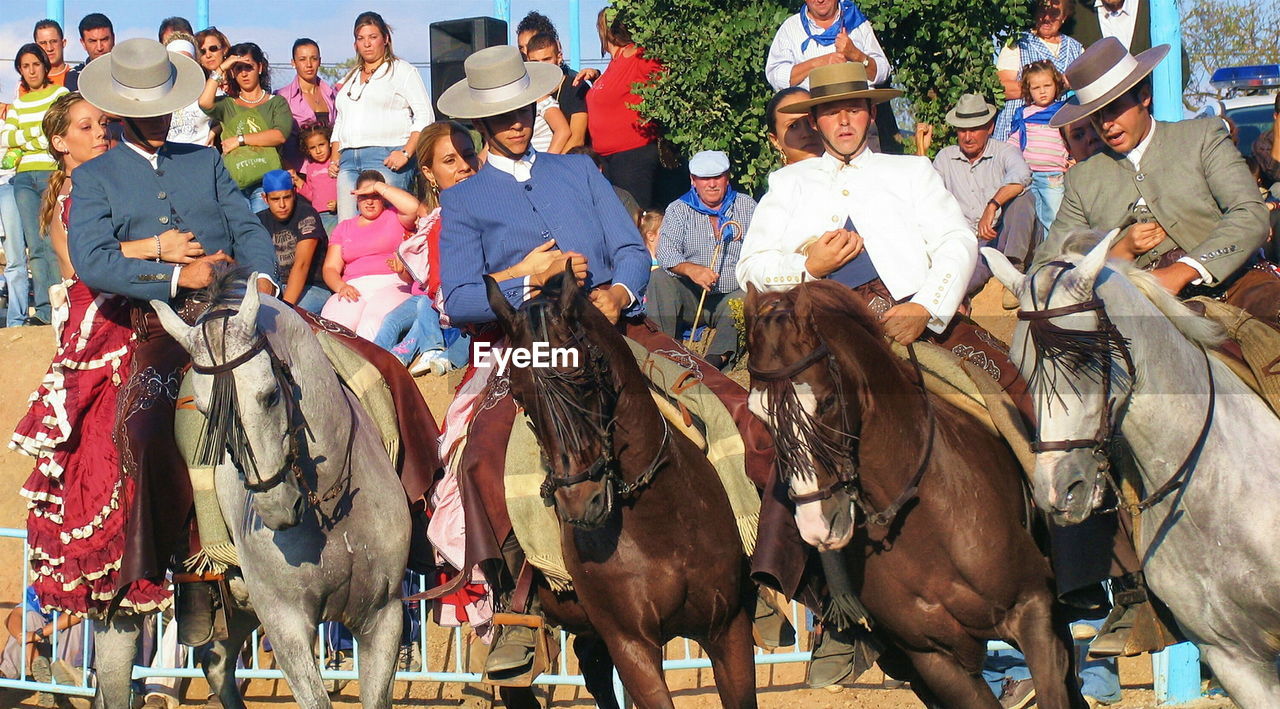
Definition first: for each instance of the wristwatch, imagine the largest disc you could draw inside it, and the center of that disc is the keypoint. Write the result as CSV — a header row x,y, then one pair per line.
x,y
866,61
240,140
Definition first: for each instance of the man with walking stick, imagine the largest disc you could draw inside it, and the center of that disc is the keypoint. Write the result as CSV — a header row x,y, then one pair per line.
x,y
698,248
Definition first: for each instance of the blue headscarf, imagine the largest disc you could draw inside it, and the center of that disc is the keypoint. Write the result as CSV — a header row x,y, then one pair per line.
x,y
692,199
277,181
850,18
1021,120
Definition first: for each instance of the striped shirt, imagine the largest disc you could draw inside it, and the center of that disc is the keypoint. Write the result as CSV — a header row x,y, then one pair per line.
x,y
687,236
21,129
1045,151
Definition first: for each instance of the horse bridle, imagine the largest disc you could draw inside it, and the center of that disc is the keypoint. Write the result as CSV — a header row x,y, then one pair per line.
x,y
217,443
846,477
1039,324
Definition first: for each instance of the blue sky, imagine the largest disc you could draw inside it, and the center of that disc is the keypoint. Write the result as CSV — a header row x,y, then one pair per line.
x,y
274,24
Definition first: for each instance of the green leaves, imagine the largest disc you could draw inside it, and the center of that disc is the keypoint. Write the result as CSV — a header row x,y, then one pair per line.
x,y
713,94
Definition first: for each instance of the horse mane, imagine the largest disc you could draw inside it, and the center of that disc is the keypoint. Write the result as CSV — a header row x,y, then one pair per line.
x,y
1198,329
228,286
823,297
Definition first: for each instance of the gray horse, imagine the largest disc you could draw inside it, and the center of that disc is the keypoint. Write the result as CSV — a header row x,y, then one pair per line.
x,y
1202,440
315,508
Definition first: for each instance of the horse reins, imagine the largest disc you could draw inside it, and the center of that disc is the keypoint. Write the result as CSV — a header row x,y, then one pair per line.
x,y
1041,329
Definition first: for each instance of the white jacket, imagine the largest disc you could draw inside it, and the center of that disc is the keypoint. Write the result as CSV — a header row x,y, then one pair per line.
x,y
911,226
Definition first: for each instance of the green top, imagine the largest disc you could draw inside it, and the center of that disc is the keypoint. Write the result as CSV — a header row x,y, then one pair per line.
x,y
21,128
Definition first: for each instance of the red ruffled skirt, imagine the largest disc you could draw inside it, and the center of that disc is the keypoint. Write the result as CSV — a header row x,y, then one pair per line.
x,y
78,499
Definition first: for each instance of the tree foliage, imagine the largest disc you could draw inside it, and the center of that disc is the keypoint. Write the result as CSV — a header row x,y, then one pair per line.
x,y
714,93
1219,33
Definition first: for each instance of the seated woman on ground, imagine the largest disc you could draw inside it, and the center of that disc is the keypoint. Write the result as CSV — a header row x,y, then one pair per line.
x,y
358,267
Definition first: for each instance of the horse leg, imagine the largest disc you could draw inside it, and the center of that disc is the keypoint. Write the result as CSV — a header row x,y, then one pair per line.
x,y
293,637
597,670
895,664
219,659
733,663
638,657
379,638
948,681
1250,682
1052,665
115,644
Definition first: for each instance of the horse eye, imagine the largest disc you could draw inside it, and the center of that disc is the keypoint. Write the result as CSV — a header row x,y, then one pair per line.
x,y
273,398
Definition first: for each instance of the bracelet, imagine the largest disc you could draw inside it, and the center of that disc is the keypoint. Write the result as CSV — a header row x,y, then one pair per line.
x,y
216,75
157,238
995,204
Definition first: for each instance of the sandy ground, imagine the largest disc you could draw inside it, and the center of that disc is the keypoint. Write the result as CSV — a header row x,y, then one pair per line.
x,y
26,353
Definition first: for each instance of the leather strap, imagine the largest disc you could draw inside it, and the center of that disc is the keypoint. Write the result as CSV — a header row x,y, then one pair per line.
x,y
524,585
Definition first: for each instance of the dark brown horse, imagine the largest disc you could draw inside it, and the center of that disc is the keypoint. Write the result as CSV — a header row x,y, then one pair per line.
x,y
942,568
647,531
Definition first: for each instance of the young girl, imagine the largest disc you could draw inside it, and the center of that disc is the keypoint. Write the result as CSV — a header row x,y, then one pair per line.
x,y
550,127
650,225
315,184
1042,146
358,266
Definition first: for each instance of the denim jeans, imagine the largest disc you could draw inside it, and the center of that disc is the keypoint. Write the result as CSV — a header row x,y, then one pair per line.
x,y
1047,188
257,198
414,328
15,257
353,161
28,189
313,298
1004,665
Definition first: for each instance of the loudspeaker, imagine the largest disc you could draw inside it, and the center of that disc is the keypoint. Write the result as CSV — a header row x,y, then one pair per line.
x,y
452,41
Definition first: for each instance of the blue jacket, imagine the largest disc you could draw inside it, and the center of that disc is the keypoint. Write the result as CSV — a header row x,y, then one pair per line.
x,y
490,222
118,197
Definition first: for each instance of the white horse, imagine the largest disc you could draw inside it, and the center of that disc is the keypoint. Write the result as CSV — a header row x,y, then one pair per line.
x,y
1108,352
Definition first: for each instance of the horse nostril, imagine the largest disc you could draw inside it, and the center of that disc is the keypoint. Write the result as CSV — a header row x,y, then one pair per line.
x,y
1074,491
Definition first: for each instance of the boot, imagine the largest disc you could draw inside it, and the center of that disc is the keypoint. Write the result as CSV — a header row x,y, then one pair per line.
x,y
512,652
839,655
772,629
1132,627
194,612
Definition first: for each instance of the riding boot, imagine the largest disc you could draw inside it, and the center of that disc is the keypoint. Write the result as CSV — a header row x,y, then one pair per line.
x,y
841,654
513,648
1132,627
771,627
195,612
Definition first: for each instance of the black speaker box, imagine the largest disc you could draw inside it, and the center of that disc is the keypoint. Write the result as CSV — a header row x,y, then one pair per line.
x,y
452,41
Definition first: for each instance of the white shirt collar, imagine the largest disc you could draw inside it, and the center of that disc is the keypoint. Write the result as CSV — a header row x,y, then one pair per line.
x,y
859,160
1128,8
1135,155
151,158
521,169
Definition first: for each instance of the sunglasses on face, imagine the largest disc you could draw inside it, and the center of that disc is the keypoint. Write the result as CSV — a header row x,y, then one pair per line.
x,y
210,49
240,68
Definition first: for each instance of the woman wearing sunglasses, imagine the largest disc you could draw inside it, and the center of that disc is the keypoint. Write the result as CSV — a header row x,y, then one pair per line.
x,y
382,105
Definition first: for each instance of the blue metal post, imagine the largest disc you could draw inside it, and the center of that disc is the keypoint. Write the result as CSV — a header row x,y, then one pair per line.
x,y
575,34
1177,674
1166,28
54,10
202,14
502,11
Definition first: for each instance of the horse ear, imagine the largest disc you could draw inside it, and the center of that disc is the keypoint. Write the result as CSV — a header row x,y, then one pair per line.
x,y
569,290
1093,262
174,325
247,314
1005,272
498,303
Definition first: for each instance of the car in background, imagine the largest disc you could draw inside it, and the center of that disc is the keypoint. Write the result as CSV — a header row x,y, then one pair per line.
x,y
1250,99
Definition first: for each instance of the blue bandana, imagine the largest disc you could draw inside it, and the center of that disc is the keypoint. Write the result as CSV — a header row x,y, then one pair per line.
x,y
1021,120
722,213
850,18
277,181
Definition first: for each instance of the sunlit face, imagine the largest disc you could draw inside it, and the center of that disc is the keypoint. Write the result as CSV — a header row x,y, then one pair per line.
x,y
52,44
512,130
452,161
710,190
32,71
1082,140
973,141
370,206
546,55
280,203
318,147
86,136
212,53
793,134
1124,122
306,61
97,42
844,124
371,44
1042,88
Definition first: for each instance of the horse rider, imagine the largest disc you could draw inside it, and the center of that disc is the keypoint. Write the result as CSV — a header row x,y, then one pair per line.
x,y
884,225
517,202
1193,213
143,188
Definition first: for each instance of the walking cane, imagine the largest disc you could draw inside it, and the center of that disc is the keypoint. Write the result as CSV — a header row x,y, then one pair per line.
x,y
697,314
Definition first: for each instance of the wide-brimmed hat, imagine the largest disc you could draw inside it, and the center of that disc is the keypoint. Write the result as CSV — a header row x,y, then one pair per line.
x,y
971,111
139,78
838,82
1101,75
497,81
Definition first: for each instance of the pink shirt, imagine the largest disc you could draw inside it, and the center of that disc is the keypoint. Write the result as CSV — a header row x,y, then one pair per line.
x,y
317,187
366,249
1045,151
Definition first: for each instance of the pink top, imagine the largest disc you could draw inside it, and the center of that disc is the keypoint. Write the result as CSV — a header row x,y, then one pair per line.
x,y
1045,151
366,249
317,187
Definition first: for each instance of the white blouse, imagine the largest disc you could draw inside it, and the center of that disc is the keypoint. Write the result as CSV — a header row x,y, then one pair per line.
x,y
384,110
